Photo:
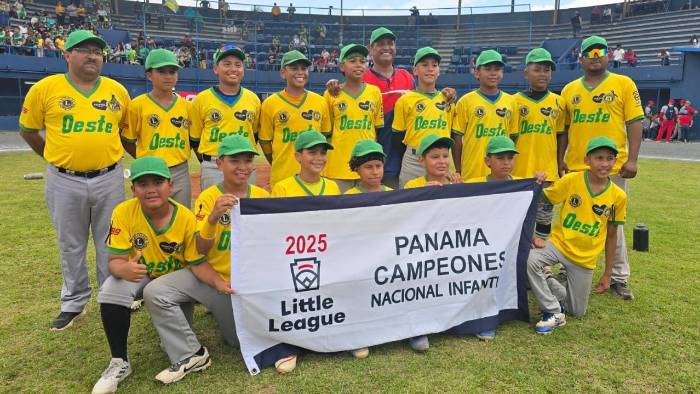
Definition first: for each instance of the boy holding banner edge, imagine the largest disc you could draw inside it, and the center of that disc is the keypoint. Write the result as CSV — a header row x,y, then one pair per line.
x,y
368,162
434,156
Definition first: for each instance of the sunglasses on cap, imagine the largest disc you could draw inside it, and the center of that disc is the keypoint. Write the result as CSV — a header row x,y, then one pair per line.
x,y
594,53
229,47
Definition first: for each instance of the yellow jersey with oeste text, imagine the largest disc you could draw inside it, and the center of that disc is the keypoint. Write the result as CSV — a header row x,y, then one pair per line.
x,y
419,114
295,187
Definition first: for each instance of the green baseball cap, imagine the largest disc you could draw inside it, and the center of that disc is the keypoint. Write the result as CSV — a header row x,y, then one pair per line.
x,y
350,49
428,141
500,144
601,142
365,147
425,52
593,40
80,36
381,32
309,139
158,58
293,57
227,50
540,55
489,56
235,144
149,165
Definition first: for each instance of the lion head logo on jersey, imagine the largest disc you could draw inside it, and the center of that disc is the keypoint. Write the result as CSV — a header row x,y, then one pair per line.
x,y
283,117
576,99
365,105
153,120
139,241
66,103
546,111
225,219
479,112
241,115
575,201
113,105
420,107
342,106
524,110
215,115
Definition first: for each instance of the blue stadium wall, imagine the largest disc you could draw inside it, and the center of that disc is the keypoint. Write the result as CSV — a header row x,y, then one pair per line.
x,y
18,73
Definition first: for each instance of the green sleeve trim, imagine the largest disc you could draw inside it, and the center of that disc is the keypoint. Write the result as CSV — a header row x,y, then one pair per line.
x,y
194,138
379,126
617,222
117,251
27,129
128,140
198,261
455,131
265,141
638,118
398,131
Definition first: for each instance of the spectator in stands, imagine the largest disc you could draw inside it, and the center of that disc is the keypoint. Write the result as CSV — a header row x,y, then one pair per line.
x,y
295,43
694,42
276,43
116,54
17,41
572,58
202,56
30,42
321,33
72,12
50,49
19,11
81,14
291,10
415,14
665,57
271,59
60,12
249,62
302,47
150,43
618,11
576,23
607,14
138,11
595,15
276,11
102,15
142,54
223,9
59,41
650,120
186,41
631,58
685,120
618,56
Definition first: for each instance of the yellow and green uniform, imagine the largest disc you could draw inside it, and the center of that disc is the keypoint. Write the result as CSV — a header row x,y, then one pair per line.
x,y
538,123
282,119
358,190
604,110
162,250
82,128
581,231
158,131
213,119
487,178
477,119
354,119
219,255
419,114
295,187
417,182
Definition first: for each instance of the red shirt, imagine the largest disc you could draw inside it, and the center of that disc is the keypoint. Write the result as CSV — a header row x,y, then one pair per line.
x,y
399,83
686,118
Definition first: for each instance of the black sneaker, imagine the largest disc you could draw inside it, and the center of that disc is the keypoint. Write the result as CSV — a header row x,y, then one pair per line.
x,y
622,290
65,320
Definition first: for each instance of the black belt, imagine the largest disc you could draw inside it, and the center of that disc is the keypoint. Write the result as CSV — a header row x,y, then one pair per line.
x,y
207,157
87,174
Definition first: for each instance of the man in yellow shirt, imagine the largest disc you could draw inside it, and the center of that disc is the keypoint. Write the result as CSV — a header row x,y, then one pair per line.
x,y
608,104
592,207
83,115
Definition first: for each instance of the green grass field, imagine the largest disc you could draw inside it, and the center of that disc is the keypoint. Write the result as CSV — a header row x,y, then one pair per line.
x,y
651,344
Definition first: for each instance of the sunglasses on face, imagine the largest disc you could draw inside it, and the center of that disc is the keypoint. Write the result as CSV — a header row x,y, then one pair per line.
x,y
594,53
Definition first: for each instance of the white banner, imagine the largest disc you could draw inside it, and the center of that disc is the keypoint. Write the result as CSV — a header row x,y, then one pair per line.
x,y
340,273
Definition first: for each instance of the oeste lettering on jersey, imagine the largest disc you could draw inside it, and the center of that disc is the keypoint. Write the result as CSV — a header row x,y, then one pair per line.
x,y
422,123
69,125
539,128
161,266
290,136
592,117
162,142
482,131
355,124
217,135
571,222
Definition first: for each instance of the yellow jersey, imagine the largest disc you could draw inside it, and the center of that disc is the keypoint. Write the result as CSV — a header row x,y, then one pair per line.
x,y
162,250
158,131
477,119
219,255
282,119
487,178
213,119
419,114
538,123
418,182
295,187
580,232
82,128
354,118
604,110
358,190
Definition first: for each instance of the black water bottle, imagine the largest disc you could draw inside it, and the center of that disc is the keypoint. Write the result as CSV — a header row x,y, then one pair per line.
x,y
640,238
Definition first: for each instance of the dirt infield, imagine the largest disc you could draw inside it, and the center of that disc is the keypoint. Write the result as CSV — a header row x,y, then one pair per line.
x,y
263,180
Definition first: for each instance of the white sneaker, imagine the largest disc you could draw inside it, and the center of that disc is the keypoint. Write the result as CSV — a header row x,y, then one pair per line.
x,y
549,322
360,353
117,371
181,368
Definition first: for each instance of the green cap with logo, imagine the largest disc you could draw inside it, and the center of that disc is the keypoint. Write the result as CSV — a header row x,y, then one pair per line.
x,y
235,144
500,144
293,57
351,49
381,32
149,165
540,55
160,57
433,139
601,142
489,56
81,36
227,50
309,139
591,41
424,52
366,147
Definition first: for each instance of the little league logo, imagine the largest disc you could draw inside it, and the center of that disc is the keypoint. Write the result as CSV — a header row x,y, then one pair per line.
x,y
113,105
306,274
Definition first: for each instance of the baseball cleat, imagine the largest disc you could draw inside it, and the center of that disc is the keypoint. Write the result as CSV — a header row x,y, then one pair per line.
x,y
65,320
180,369
117,371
